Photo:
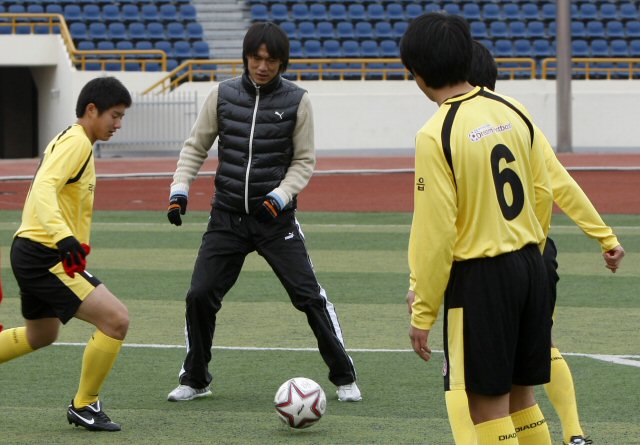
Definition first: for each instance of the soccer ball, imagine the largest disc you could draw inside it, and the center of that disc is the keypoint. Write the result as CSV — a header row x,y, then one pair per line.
x,y
300,402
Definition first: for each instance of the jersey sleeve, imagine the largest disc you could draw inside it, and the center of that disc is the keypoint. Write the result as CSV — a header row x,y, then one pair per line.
x,y
433,231
568,195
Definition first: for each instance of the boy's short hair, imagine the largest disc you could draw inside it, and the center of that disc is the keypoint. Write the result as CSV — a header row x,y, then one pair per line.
x,y
274,38
437,47
484,70
104,93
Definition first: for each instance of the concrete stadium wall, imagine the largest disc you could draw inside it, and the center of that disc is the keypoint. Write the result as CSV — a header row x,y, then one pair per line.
x,y
381,117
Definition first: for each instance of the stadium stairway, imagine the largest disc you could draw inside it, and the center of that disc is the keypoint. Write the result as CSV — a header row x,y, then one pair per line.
x,y
224,23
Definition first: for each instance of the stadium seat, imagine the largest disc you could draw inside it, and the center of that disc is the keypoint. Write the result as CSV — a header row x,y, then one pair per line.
x,y
111,13
628,11
599,48
200,49
375,11
175,31
105,45
389,48
35,9
478,30
530,11
383,30
395,11
86,45
72,13
290,29
503,48
608,11
452,8
168,12
619,48
536,29
498,30
363,30
399,28
54,9
517,29
413,10
78,31
97,31
299,11
522,48
137,31
149,12
279,12
337,12
163,45
595,29
541,48
356,12
155,31
432,7
634,48
471,11
124,45
259,13
312,49
16,9
511,11
344,30
129,13
91,12
331,49
491,12
181,50
117,31
187,12
350,48
632,29
579,48
549,11
295,49
325,30
194,31
306,30
615,28
369,48
318,12
587,11
578,29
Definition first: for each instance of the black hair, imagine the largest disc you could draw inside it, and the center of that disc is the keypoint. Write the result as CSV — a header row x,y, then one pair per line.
x,y
484,70
104,93
274,38
437,47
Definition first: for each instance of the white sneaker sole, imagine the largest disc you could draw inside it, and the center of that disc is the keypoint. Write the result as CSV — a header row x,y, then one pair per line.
x,y
195,396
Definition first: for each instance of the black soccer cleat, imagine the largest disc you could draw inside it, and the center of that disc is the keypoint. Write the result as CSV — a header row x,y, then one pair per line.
x,y
579,440
91,417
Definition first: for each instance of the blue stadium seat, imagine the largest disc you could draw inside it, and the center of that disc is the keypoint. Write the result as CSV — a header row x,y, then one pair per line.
x,y
632,29
549,11
163,45
181,50
578,29
413,10
628,11
149,12
175,31
615,28
187,12
130,13
511,11
105,45
290,29
91,12
318,12
72,13
279,12
117,31
363,30
389,48
306,30
432,7
325,30
452,8
369,48
498,30
595,29
200,49
599,48
487,44
517,29
503,48
541,48
356,12
35,9
111,13
634,48
16,9
491,11
619,48
608,11
312,49
530,11
124,45
299,11
383,30
551,29
168,12
395,11
78,31
350,48
259,13
86,45
137,31
579,48
536,29
337,12
331,48
587,11
54,9
155,31
522,48
375,11
344,30
478,30
97,31
295,49
471,11
194,31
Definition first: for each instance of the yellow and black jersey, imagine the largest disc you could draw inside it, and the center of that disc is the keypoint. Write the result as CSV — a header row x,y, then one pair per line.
x,y
481,190
60,201
574,202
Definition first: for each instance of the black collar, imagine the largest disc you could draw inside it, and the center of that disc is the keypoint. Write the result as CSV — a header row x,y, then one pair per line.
x,y
252,88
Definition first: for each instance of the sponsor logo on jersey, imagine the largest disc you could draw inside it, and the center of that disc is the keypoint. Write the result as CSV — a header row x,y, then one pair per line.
x,y
488,130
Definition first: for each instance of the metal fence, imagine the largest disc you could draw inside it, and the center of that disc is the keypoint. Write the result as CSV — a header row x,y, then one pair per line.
x,y
154,125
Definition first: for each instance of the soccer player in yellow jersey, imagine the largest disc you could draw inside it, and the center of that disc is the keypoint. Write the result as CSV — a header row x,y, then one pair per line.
x,y
48,254
482,206
573,201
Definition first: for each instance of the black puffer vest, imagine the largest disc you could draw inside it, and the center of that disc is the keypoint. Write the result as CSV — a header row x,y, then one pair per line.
x,y
255,146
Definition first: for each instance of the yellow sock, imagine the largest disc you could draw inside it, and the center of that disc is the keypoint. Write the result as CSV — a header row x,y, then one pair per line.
x,y
562,395
99,356
464,433
13,344
497,432
531,426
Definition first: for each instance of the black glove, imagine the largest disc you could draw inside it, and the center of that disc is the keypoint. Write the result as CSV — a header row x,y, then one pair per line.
x,y
72,254
177,207
268,210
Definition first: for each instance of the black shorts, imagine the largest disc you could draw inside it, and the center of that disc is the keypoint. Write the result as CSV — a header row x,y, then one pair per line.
x,y
46,291
550,255
497,329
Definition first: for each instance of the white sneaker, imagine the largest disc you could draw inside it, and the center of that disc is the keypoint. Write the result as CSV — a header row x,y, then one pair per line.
x,y
349,393
183,393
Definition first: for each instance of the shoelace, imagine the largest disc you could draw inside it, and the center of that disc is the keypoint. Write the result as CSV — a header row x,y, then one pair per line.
x,y
102,417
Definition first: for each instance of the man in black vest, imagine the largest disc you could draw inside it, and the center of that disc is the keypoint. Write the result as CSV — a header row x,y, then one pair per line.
x,y
266,157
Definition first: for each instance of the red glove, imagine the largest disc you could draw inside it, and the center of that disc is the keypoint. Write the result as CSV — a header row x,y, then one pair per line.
x,y
71,266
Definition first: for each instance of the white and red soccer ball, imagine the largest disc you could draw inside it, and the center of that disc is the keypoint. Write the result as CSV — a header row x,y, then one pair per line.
x,y
300,402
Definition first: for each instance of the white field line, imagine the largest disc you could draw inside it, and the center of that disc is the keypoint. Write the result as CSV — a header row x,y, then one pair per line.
x,y
628,360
